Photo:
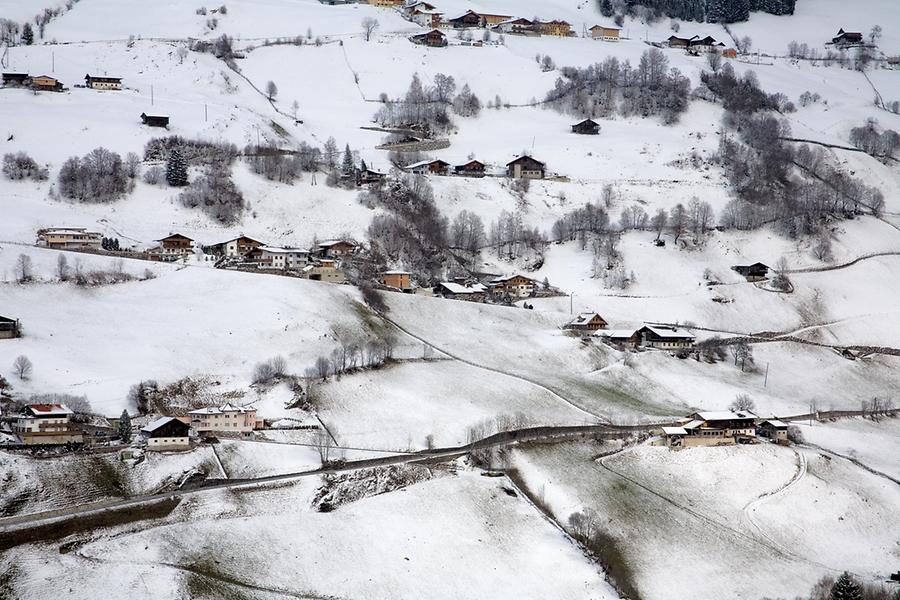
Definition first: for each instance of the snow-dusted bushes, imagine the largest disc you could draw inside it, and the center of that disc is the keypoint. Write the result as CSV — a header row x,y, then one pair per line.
x,y
99,176
21,166
876,143
195,152
215,194
273,164
613,87
427,109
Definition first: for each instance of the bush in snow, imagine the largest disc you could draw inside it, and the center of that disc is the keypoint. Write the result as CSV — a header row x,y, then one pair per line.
x,y
99,176
195,152
269,370
21,166
215,194
273,164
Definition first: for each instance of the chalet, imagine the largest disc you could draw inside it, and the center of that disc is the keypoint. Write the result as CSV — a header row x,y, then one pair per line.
x,y
337,248
172,248
755,272
586,127
518,26
489,20
428,167
154,120
386,3
704,44
410,7
473,168
434,39
70,238
618,337
525,167
607,33
16,79
103,83
773,429
326,270
722,428
46,83
47,424
167,433
225,418
586,323
238,247
426,17
679,42
283,259
9,328
558,28
664,337
846,39
514,286
473,292
729,53
368,176
398,280
470,18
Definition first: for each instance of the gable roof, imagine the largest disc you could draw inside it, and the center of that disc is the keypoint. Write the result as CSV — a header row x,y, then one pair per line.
x,y
674,430
776,423
277,250
154,425
175,236
669,332
523,158
470,163
456,288
725,415
228,407
424,163
590,122
506,278
615,333
330,243
605,27
585,318
49,410
6,319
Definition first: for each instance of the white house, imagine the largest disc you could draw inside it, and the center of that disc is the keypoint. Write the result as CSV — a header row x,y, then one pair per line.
x,y
225,418
167,433
271,257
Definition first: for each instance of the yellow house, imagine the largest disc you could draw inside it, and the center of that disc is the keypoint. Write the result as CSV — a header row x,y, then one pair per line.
x,y
386,3
560,28
491,20
605,33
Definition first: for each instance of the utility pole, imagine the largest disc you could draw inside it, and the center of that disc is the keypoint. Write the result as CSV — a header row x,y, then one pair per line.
x,y
53,62
205,113
151,95
571,302
766,381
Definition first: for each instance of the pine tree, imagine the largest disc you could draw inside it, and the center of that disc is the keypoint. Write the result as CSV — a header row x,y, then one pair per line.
x,y
27,34
606,8
125,427
845,588
347,163
176,169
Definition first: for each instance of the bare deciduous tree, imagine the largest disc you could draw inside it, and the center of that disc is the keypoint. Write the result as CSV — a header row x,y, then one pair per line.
x,y
24,271
742,402
22,367
369,25
62,267
271,90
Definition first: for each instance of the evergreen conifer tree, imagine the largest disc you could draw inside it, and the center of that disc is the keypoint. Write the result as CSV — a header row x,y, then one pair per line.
x,y
347,162
125,427
28,34
176,169
845,588
606,8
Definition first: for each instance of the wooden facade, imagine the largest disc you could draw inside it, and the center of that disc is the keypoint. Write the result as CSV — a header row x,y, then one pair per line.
x,y
397,280
473,168
586,127
755,272
154,120
586,323
9,328
605,32
46,83
102,83
525,167
433,39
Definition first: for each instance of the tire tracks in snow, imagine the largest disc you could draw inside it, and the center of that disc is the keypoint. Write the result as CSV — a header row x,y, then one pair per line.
x,y
527,380
750,508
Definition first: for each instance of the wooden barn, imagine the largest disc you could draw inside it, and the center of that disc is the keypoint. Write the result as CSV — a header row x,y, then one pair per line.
x,y
154,120
9,328
46,83
434,39
586,127
587,323
102,83
755,272
473,168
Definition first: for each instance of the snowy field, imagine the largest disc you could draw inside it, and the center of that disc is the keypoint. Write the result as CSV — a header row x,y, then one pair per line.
x,y
419,541
755,509
876,444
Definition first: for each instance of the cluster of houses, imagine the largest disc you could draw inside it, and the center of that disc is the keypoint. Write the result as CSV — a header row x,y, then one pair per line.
x,y
51,84
427,15
321,263
661,337
52,425
722,428
523,167
505,288
697,45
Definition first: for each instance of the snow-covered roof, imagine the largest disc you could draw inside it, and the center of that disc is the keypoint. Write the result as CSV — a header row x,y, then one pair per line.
x,y
776,423
423,163
61,230
276,250
602,26
584,318
615,333
329,243
154,425
726,415
692,424
674,430
509,277
670,332
395,273
456,288
218,410
49,410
